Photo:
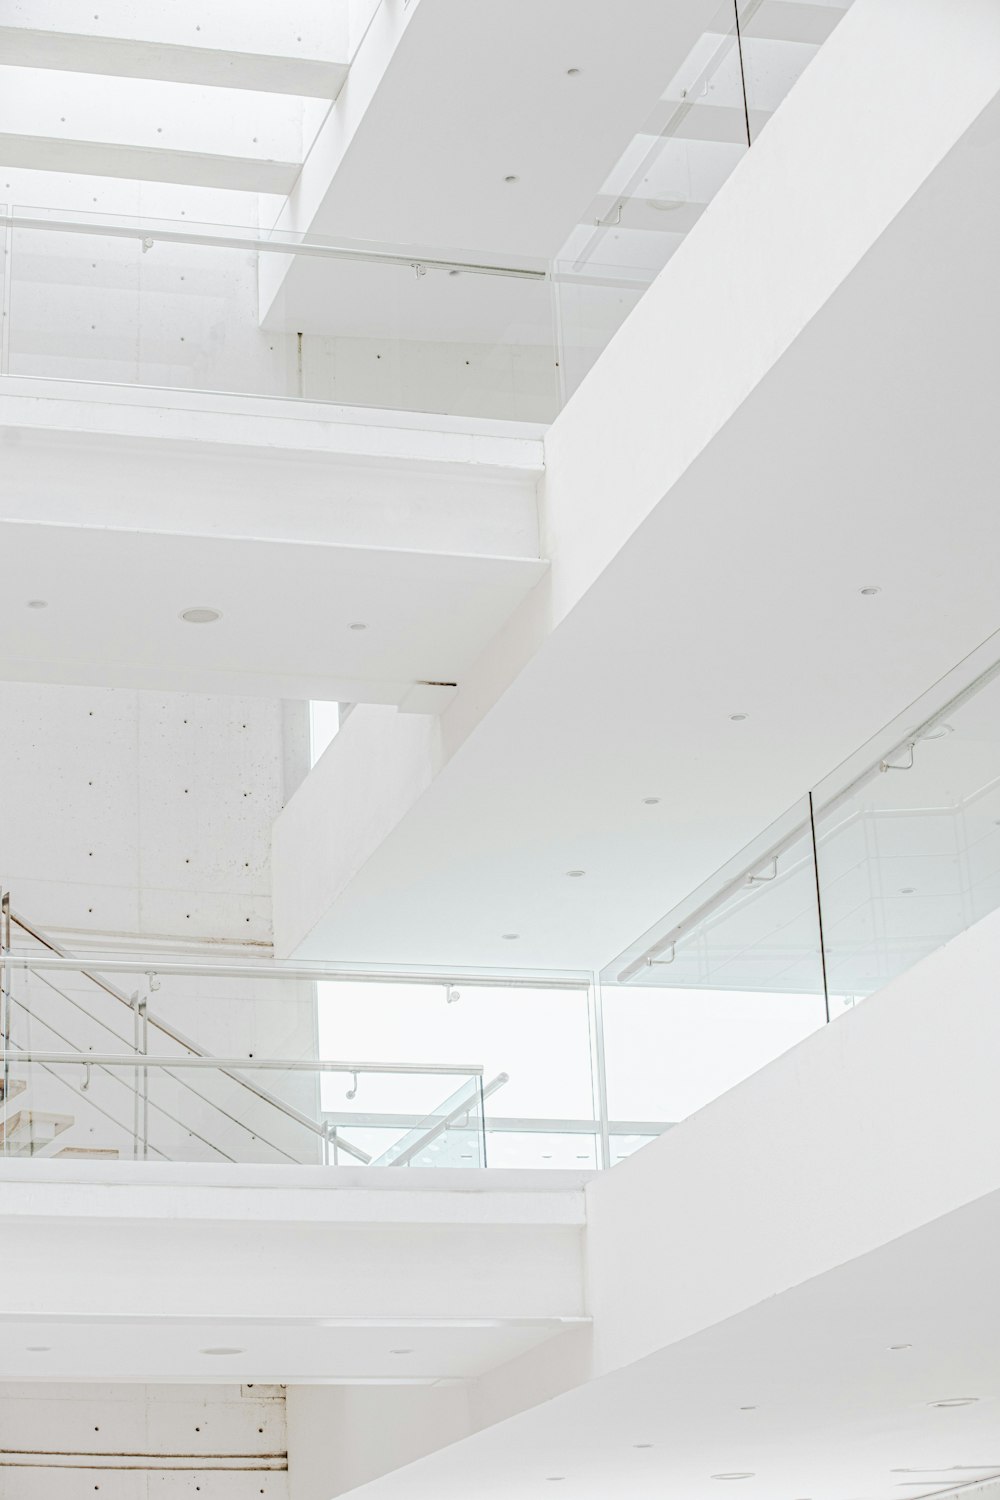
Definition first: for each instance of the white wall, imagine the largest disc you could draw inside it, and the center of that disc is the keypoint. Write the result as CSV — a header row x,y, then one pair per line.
x,y
151,1437
877,1124
342,1436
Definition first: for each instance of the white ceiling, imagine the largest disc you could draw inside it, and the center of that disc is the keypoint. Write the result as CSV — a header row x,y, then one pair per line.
x,y
114,599
804,1392
278,1351
866,455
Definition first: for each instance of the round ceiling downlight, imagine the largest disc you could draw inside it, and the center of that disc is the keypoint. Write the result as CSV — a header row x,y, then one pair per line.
x,y
222,1349
201,615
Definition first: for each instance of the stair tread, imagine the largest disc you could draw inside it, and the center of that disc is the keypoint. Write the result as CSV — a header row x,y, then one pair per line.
x,y
26,1121
90,1153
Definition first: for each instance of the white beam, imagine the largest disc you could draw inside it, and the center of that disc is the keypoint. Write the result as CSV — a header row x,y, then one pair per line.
x,y
283,49
747,453
160,132
116,512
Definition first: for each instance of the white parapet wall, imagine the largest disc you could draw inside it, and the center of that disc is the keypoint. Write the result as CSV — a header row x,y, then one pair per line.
x,y
775,1254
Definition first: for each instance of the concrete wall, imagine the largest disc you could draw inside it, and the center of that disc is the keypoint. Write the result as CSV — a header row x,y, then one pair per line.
x,y
134,815
64,1442
139,813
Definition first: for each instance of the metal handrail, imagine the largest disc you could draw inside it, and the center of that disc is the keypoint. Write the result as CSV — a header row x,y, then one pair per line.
x,y
438,1125
66,960
133,1088
299,1065
148,232
320,973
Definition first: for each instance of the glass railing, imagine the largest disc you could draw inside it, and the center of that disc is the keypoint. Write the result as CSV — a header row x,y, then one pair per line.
x,y
164,1058
892,855
177,305
88,1105
712,110
182,306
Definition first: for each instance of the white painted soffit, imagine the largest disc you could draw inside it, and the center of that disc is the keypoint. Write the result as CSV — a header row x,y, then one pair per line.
x,y
772,430
121,513
462,125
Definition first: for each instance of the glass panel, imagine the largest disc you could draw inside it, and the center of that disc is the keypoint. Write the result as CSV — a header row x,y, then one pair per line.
x,y
778,42
655,193
727,982
134,307
450,1136
533,1043
910,856
222,1063
68,1106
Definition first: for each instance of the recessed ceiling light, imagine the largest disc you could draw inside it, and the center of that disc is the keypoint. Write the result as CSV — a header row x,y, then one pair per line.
x,y
357,625
400,1351
665,205
222,1350
907,890
512,177
939,732
642,1445
870,590
572,72
895,1348
575,874
39,1348
38,604
650,801
510,937
748,1408
738,718
455,272
201,615
741,1474
955,1401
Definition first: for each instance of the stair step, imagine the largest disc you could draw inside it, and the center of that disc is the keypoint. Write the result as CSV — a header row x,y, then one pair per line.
x,y
31,1130
90,1153
15,1086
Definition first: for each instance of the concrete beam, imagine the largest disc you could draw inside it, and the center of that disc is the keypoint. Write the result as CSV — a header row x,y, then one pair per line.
x,y
298,49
